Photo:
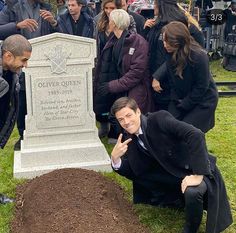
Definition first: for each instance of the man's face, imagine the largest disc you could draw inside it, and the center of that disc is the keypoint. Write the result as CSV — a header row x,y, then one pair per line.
x,y
129,119
73,7
16,63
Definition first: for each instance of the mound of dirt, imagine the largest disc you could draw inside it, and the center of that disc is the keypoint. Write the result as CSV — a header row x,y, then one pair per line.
x,y
73,201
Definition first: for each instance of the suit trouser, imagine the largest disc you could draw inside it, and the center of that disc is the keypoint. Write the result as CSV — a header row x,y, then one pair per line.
x,y
194,197
115,128
170,196
22,106
22,112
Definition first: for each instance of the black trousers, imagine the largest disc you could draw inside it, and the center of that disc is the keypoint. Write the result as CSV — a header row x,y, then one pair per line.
x,y
22,106
22,113
194,205
115,128
166,192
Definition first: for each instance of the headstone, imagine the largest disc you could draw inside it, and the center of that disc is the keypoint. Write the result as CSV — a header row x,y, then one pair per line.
x,y
60,128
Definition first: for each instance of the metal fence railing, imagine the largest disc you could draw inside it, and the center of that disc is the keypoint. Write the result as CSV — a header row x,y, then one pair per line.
x,y
231,86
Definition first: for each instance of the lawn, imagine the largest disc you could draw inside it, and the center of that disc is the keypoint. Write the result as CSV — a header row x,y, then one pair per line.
x,y
221,142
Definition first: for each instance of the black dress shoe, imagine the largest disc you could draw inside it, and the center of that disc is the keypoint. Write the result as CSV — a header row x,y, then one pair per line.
x,y
17,145
4,199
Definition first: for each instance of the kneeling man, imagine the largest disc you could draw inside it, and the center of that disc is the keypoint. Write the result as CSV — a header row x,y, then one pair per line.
x,y
169,165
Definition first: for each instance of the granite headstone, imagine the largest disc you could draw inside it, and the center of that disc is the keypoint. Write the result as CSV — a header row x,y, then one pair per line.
x,y
61,128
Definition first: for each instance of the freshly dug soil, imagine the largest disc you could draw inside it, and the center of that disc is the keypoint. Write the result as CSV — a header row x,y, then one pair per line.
x,y
73,201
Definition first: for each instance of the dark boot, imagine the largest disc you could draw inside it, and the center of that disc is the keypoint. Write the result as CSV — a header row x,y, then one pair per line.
x,y
115,130
104,129
17,146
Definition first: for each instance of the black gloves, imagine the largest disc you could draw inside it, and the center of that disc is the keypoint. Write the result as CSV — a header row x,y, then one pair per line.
x,y
178,104
103,89
4,87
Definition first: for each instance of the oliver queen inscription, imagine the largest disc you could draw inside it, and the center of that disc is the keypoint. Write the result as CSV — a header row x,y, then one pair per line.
x,y
61,103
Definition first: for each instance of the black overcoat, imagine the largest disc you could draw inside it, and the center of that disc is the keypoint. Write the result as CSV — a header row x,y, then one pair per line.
x,y
64,24
193,97
158,55
178,149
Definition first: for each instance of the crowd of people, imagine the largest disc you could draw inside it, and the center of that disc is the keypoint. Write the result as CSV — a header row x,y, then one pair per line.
x,y
132,59
144,66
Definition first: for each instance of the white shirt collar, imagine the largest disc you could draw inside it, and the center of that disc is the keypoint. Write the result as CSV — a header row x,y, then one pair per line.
x,y
140,131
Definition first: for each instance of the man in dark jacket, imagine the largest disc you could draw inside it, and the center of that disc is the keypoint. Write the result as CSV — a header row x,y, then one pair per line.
x,y
15,52
24,17
76,21
169,164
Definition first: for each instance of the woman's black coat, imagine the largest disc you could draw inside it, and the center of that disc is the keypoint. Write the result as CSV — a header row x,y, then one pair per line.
x,y
194,96
158,55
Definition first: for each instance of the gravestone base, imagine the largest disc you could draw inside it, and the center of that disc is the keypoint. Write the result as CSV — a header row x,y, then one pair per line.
x,y
29,163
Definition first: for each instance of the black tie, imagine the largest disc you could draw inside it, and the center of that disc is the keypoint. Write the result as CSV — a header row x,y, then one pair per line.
x,y
142,138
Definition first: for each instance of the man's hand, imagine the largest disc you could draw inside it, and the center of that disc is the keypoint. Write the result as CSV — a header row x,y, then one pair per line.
x,y
119,149
192,180
156,86
47,15
149,23
29,24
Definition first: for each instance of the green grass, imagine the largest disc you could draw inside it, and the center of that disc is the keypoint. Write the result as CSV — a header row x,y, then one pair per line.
x,y
7,182
220,74
221,141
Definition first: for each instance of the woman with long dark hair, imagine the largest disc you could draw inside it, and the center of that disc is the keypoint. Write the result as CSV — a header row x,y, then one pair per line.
x,y
165,11
193,93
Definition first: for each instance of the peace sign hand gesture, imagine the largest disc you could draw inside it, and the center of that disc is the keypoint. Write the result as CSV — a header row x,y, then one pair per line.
x,y
119,149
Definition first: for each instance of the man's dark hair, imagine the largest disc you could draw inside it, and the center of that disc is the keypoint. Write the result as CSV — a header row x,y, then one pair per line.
x,y
81,2
17,45
122,103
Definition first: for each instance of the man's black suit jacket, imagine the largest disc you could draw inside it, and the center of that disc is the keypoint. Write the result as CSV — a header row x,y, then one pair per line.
x,y
177,146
